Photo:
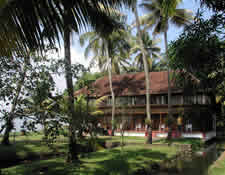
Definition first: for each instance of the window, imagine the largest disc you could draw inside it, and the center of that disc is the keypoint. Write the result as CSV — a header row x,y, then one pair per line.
x,y
121,101
140,100
124,101
109,101
153,99
164,99
199,99
129,101
158,100
176,100
188,99
208,100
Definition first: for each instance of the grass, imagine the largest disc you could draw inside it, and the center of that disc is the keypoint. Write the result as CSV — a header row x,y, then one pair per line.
x,y
28,148
127,139
104,162
218,168
180,141
196,143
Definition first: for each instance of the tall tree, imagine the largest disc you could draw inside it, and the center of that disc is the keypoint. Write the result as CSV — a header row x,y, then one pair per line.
x,y
19,76
119,46
200,51
151,48
10,116
109,53
36,21
162,13
147,82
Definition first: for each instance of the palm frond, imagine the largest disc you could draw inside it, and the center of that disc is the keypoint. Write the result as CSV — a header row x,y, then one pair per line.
x,y
37,21
182,17
101,100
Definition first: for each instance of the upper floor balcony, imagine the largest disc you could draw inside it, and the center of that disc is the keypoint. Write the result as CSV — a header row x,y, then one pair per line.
x,y
158,100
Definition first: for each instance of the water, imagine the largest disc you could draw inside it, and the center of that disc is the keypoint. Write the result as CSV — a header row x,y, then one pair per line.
x,y
195,164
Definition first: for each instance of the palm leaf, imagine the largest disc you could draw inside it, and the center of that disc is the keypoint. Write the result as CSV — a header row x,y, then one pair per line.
x,y
37,21
182,17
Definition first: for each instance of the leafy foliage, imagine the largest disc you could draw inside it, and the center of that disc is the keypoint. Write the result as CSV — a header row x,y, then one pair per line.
x,y
31,23
86,79
200,51
216,5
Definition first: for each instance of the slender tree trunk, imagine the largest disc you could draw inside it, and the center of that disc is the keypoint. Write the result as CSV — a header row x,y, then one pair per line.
x,y
72,153
111,88
147,82
8,128
169,90
9,122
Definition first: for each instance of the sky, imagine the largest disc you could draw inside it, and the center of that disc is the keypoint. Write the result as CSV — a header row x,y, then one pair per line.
x,y
77,52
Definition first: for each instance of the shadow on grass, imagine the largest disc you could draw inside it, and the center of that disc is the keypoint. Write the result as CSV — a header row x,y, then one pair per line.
x,y
106,162
28,151
115,162
47,167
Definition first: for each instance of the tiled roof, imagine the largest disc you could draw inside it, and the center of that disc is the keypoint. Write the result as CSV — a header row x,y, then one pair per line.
x,y
130,84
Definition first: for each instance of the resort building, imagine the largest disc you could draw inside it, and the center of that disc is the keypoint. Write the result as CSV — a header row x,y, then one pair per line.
x,y
191,117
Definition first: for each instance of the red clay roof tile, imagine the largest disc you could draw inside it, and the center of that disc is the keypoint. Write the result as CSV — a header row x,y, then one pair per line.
x,y
130,84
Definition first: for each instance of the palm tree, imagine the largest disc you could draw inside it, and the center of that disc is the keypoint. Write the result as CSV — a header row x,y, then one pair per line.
x,y
109,54
37,21
161,13
118,46
151,48
160,64
147,82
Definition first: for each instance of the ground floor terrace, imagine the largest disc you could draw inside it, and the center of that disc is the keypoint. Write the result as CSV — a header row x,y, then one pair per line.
x,y
189,125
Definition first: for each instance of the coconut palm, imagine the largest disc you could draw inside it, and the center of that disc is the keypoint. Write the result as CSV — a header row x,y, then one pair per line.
x,y
118,49
109,53
147,82
161,14
36,21
151,48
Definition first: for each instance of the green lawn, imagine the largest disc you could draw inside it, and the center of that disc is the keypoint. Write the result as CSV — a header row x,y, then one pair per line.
x,y
218,170
127,139
110,161
196,143
218,167
27,149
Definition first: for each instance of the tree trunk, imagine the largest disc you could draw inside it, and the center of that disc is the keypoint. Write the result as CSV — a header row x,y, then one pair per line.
x,y
147,82
72,153
169,90
111,88
9,122
8,128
